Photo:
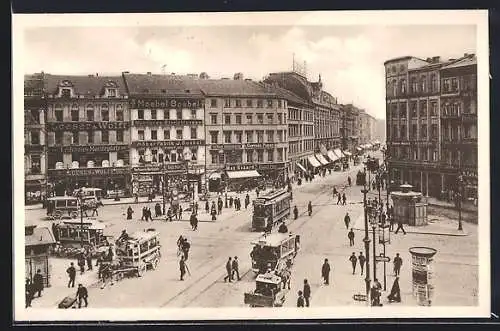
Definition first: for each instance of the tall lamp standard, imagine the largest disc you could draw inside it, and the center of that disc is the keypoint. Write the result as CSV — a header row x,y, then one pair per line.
x,y
367,244
460,182
80,196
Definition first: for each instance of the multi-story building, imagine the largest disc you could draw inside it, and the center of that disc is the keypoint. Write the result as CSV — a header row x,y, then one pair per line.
x,y
414,97
350,127
35,162
246,127
167,133
366,127
379,132
87,132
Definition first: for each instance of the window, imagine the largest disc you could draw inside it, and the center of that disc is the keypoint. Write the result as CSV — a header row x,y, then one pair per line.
x,y
239,136
260,118
415,154
154,135
270,155
249,103
111,93
104,113
154,154
249,118
446,85
74,113
213,103
140,134
59,137
119,113
179,114
403,132
166,115
402,110
434,131
269,103
423,131
90,137
193,114
213,118
260,104
74,137
119,136
140,114
35,164
153,114
434,108
178,134
214,157
194,133
423,109
413,131
249,136
279,135
249,156
394,87
423,84
280,154
414,109
166,134
238,119
280,118
35,116
213,137
227,119
403,86
260,136
434,83
280,104
66,93
434,155
395,132
58,113
35,138
260,156
414,85
227,137
454,84
105,136
270,136
238,103
90,113
227,103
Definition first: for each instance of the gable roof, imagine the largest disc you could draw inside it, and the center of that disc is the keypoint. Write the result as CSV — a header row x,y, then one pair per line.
x,y
465,61
159,85
234,88
89,85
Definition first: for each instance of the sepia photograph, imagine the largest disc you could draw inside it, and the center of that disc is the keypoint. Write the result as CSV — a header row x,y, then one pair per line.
x,y
221,166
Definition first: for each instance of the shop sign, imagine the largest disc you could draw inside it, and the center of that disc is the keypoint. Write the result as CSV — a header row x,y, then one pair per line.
x,y
240,167
89,148
84,126
142,123
259,145
253,166
34,148
168,143
167,167
57,173
271,166
164,103
226,146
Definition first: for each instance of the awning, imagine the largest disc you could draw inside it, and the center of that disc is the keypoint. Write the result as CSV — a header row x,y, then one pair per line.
x,y
322,159
313,161
243,174
332,156
347,153
301,167
338,152
359,149
215,175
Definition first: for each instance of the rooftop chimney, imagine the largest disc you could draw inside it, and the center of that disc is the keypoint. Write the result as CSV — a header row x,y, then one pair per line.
x,y
436,59
466,54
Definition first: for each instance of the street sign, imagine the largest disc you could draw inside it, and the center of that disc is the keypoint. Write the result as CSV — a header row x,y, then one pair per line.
x,y
360,297
382,258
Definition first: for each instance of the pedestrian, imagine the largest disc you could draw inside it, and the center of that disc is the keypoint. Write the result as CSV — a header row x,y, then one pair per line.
x,y
257,191
207,207
375,294
38,283
230,202
395,295
347,220
182,267
300,300
247,201
400,226
354,261
228,270
214,215
169,214
344,199
180,212
398,262
307,292
82,295
71,271
28,289
143,217
362,260
349,180
185,248
219,207
235,269
339,199
350,235
194,221
309,208
325,272
150,214
81,263
295,213
130,211
88,257
391,222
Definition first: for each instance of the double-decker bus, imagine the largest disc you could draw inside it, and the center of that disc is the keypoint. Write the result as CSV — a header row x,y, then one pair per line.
x,y
270,209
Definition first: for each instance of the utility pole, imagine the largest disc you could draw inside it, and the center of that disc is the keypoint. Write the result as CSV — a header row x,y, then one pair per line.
x,y
367,246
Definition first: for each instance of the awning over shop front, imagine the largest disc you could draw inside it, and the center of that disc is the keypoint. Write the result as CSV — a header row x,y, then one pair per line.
x,y
243,174
215,175
313,161
301,167
347,153
332,156
338,152
322,159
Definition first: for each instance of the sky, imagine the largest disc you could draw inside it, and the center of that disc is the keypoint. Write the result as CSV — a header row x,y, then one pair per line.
x,y
349,58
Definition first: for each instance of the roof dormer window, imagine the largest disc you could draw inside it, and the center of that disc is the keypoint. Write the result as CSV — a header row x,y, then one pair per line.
x,y
66,93
111,92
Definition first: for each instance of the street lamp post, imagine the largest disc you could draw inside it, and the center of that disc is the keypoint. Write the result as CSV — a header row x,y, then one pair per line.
x,y
80,196
367,245
459,202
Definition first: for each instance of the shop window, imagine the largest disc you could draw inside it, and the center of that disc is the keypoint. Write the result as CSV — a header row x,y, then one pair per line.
x,y
214,137
74,138
104,113
166,134
166,114
227,119
194,133
153,114
154,135
105,137
193,155
160,158
140,114
74,113
119,136
178,134
154,154
238,103
167,157
180,155
35,138
90,137
227,137
249,103
249,118
179,114
140,134
238,119
213,103
141,156
119,113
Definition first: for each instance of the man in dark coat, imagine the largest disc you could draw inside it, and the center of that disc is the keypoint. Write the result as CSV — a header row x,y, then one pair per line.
x,y
307,292
339,199
71,271
300,300
207,207
362,260
88,257
349,180
295,213
82,295
395,295
28,288
38,283
344,199
400,227
235,269
247,201
283,228
347,220
309,208
398,262
194,221
325,272
182,267
130,211
228,270
350,235
354,261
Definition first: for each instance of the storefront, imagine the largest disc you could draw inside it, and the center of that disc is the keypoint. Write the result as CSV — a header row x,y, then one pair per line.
x,y
240,177
34,191
149,179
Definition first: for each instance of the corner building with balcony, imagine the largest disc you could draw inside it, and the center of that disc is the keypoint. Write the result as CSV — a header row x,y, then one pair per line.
x,y
167,134
423,110
88,127
35,154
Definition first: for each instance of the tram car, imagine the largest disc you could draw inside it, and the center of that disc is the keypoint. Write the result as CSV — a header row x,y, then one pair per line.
x,y
274,252
271,209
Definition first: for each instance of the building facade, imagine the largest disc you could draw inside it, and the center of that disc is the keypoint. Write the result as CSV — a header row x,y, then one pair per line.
x,y
416,102
35,161
167,134
350,127
88,133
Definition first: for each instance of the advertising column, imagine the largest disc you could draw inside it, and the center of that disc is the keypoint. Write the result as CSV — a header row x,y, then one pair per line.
x,y
422,274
